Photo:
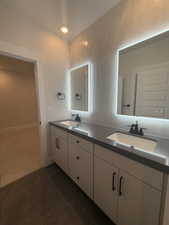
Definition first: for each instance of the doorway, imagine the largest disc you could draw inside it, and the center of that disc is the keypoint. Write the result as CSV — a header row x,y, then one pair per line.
x,y
19,120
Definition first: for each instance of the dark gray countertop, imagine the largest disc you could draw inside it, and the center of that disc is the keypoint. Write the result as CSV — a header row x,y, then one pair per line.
x,y
98,135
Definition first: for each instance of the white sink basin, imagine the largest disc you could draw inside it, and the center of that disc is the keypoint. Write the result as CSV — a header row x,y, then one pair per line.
x,y
133,142
140,146
70,123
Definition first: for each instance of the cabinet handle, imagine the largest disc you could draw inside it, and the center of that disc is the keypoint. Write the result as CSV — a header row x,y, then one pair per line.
x,y
120,186
128,105
57,143
77,141
77,157
113,181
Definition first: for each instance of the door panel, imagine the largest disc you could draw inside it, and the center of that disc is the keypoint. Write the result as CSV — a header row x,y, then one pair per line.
x,y
59,151
104,195
84,171
73,166
61,154
139,204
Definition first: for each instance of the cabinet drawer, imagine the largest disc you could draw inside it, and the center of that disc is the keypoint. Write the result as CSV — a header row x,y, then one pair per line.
x,y
147,174
80,142
59,133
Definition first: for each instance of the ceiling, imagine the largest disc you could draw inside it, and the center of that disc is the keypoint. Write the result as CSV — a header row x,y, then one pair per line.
x,y
49,13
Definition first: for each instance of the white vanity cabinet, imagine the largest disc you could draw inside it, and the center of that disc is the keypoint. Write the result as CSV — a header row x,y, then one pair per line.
x,y
81,163
124,195
59,144
127,191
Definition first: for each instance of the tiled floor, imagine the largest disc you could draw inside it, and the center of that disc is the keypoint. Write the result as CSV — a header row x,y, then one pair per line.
x,y
47,197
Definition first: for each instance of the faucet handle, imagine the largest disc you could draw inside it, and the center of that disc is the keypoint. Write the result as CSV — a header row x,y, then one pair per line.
x,y
132,128
141,132
73,115
76,117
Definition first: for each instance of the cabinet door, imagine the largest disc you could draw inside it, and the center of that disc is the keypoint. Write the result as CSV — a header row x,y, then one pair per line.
x,y
105,187
139,204
80,167
61,154
84,170
52,141
73,164
60,151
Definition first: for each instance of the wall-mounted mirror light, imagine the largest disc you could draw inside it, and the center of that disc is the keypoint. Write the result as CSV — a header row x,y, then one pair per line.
x,y
143,78
80,88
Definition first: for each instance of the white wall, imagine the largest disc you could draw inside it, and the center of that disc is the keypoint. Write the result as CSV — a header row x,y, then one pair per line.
x,y
129,21
18,36
82,13
150,54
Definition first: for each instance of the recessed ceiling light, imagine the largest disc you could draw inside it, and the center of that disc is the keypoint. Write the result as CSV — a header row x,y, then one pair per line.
x,y
64,29
85,43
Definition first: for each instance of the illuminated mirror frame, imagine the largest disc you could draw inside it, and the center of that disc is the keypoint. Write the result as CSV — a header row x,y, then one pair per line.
x,y
90,92
155,34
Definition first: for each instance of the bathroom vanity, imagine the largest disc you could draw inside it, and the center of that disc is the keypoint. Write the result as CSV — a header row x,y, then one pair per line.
x,y
129,187
125,175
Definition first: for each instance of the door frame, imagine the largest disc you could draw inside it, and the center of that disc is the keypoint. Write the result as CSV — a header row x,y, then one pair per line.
x,y
25,55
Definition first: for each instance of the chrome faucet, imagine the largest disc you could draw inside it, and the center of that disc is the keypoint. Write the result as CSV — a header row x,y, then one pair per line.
x,y
76,117
134,129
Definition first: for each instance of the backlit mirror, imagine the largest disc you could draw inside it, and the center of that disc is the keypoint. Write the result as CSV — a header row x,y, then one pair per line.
x,y
143,78
79,88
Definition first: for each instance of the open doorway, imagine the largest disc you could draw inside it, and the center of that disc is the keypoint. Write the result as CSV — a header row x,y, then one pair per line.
x,y
19,120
